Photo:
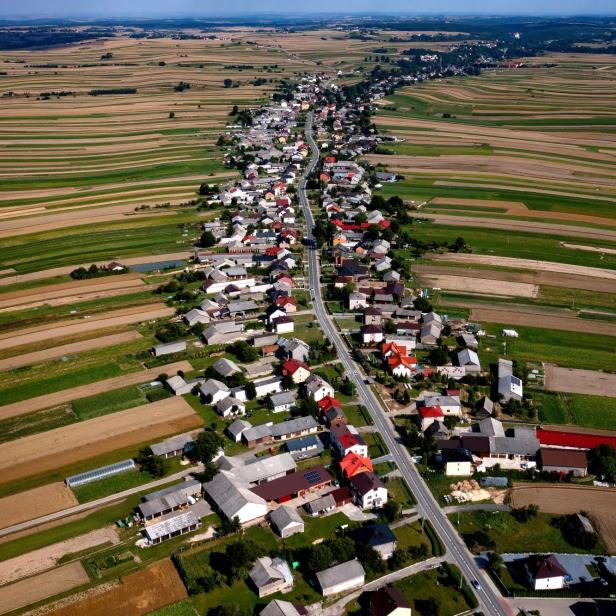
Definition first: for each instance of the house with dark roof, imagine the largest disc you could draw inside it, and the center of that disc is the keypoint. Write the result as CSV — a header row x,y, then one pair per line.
x,y
368,490
379,537
388,601
544,572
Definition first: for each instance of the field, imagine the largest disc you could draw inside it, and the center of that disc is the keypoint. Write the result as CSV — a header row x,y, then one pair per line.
x,y
580,381
41,453
138,593
599,504
35,503
42,586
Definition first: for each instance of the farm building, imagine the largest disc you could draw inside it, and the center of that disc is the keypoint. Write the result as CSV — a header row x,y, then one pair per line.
x,y
509,386
298,483
271,575
100,473
237,428
172,527
282,402
169,348
174,446
190,487
180,387
280,608
233,499
321,506
305,447
341,578
563,461
161,506
286,521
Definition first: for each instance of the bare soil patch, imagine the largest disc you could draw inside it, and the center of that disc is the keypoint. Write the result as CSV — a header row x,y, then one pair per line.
x,y
484,286
126,316
609,251
61,447
575,381
68,349
34,504
137,594
36,561
68,395
42,586
531,264
599,503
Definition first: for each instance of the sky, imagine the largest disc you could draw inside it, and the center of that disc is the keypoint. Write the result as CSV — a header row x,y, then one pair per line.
x,y
209,8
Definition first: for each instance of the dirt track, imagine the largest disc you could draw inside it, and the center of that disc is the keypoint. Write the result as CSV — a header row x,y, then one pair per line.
x,y
507,224
484,286
42,586
63,329
575,381
68,395
531,264
600,504
35,503
138,593
61,447
67,349
45,558
67,269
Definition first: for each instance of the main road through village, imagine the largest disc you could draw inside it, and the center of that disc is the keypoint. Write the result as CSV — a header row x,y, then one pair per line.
x,y
490,600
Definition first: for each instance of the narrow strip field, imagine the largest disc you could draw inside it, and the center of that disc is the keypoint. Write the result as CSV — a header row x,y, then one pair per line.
x,y
69,395
137,594
67,349
42,586
484,286
61,447
35,503
575,381
63,329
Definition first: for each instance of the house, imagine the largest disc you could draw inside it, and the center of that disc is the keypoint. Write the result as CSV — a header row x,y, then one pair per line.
x,y
179,346
334,417
305,447
286,521
230,407
196,316
237,428
373,316
283,325
296,349
318,388
321,506
327,403
234,500
430,333
226,367
353,464
457,462
371,334
509,386
357,300
281,608
267,385
563,461
341,578
484,408
544,572
213,391
223,333
388,601
379,537
368,491
428,415
282,402
293,428
402,366
271,575
175,525
469,359
297,370
450,405
292,485
346,439
174,446
180,387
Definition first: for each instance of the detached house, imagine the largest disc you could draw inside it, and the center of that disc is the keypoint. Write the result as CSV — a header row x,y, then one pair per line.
x,y
345,440
317,388
368,490
298,371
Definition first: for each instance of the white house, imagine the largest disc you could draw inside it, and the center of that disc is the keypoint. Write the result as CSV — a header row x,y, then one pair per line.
x,y
230,407
545,572
469,358
371,334
282,402
368,491
267,385
214,391
317,388
283,325
450,405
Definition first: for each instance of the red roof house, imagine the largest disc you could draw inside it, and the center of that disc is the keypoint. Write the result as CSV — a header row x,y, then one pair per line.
x,y
352,464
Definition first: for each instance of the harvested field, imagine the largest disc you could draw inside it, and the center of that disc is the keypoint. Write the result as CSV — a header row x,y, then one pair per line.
x,y
36,561
518,225
67,349
138,593
67,269
61,447
600,504
42,586
68,395
485,286
34,504
62,329
533,318
575,381
531,264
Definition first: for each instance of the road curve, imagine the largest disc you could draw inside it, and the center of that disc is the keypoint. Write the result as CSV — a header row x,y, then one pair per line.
x,y
491,602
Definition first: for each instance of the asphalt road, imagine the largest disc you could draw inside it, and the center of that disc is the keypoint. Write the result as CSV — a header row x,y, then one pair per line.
x,y
490,600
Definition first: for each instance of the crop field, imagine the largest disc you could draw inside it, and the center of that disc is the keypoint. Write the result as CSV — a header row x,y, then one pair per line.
x,y
540,138
137,593
586,411
51,450
599,503
580,381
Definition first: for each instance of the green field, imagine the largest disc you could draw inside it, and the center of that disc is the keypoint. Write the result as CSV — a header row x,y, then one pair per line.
x,y
183,608
577,409
108,402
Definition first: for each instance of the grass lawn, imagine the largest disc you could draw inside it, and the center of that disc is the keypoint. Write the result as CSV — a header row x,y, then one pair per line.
x,y
536,535
411,535
357,415
439,485
400,492
376,445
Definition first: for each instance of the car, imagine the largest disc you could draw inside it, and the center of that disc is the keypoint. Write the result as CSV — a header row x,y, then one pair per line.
x,y
476,585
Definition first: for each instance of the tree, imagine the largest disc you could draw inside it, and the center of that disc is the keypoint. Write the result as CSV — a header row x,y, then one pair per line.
x,y
347,387
391,510
602,462
389,326
228,83
154,465
171,115
288,382
495,561
207,239
423,304
438,356
427,607
251,390
228,527
206,447
243,351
